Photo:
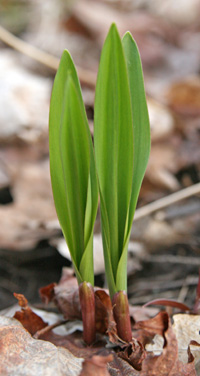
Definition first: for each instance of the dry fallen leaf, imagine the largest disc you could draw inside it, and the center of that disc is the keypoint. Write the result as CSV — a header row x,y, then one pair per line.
x,y
65,295
105,322
187,329
97,365
162,166
22,224
20,354
161,120
146,330
30,321
167,363
184,96
24,100
133,353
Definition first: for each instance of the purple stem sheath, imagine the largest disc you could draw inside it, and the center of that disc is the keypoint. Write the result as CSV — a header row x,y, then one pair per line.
x,y
122,316
87,302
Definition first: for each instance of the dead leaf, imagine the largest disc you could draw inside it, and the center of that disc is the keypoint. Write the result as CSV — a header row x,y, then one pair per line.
x,y
134,353
23,100
184,96
66,296
20,354
47,293
105,322
30,320
34,324
162,166
161,120
23,225
97,365
139,313
147,329
186,327
168,364
119,367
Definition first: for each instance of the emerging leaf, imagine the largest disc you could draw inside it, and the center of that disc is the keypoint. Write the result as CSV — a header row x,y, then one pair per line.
x,y
73,174
122,144
140,117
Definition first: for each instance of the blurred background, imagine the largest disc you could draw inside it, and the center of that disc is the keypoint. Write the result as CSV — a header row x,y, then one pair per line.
x,y
164,252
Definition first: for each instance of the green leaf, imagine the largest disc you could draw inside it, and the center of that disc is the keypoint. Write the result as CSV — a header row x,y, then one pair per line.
x,y
73,175
141,138
113,139
141,128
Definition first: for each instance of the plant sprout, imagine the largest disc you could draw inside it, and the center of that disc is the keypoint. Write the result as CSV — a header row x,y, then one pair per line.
x,y
121,149
73,177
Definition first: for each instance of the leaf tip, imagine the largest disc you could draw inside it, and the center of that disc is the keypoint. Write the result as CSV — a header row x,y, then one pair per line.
x,y
113,29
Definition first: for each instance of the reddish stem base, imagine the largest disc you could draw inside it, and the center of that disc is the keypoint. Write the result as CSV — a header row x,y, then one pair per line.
x,y
87,302
122,316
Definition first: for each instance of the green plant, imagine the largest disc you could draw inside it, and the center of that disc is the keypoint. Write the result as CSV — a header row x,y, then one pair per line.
x,y
122,146
73,176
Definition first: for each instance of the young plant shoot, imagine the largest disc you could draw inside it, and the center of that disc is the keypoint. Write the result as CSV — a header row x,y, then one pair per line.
x,y
74,181
122,147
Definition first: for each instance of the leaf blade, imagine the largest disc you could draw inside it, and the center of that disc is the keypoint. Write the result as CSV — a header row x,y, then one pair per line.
x,y
68,127
74,148
113,139
140,118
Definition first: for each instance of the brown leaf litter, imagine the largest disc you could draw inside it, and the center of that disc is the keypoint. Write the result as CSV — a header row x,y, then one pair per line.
x,y
118,358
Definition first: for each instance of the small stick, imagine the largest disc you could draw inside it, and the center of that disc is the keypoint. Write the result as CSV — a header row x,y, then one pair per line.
x,y
86,77
167,201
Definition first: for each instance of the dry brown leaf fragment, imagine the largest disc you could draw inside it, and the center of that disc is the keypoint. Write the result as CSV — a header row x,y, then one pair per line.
x,y
20,354
30,320
168,363
22,301
96,365
134,353
47,293
186,328
105,322
120,367
184,96
66,296
147,329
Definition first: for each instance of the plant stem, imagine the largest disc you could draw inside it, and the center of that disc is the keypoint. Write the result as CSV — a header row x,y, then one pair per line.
x,y
121,315
87,302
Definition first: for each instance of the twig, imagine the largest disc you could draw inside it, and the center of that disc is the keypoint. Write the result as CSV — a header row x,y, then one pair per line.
x,y
167,201
86,77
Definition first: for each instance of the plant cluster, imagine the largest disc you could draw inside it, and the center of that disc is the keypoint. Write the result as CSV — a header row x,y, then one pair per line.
x,y
113,170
